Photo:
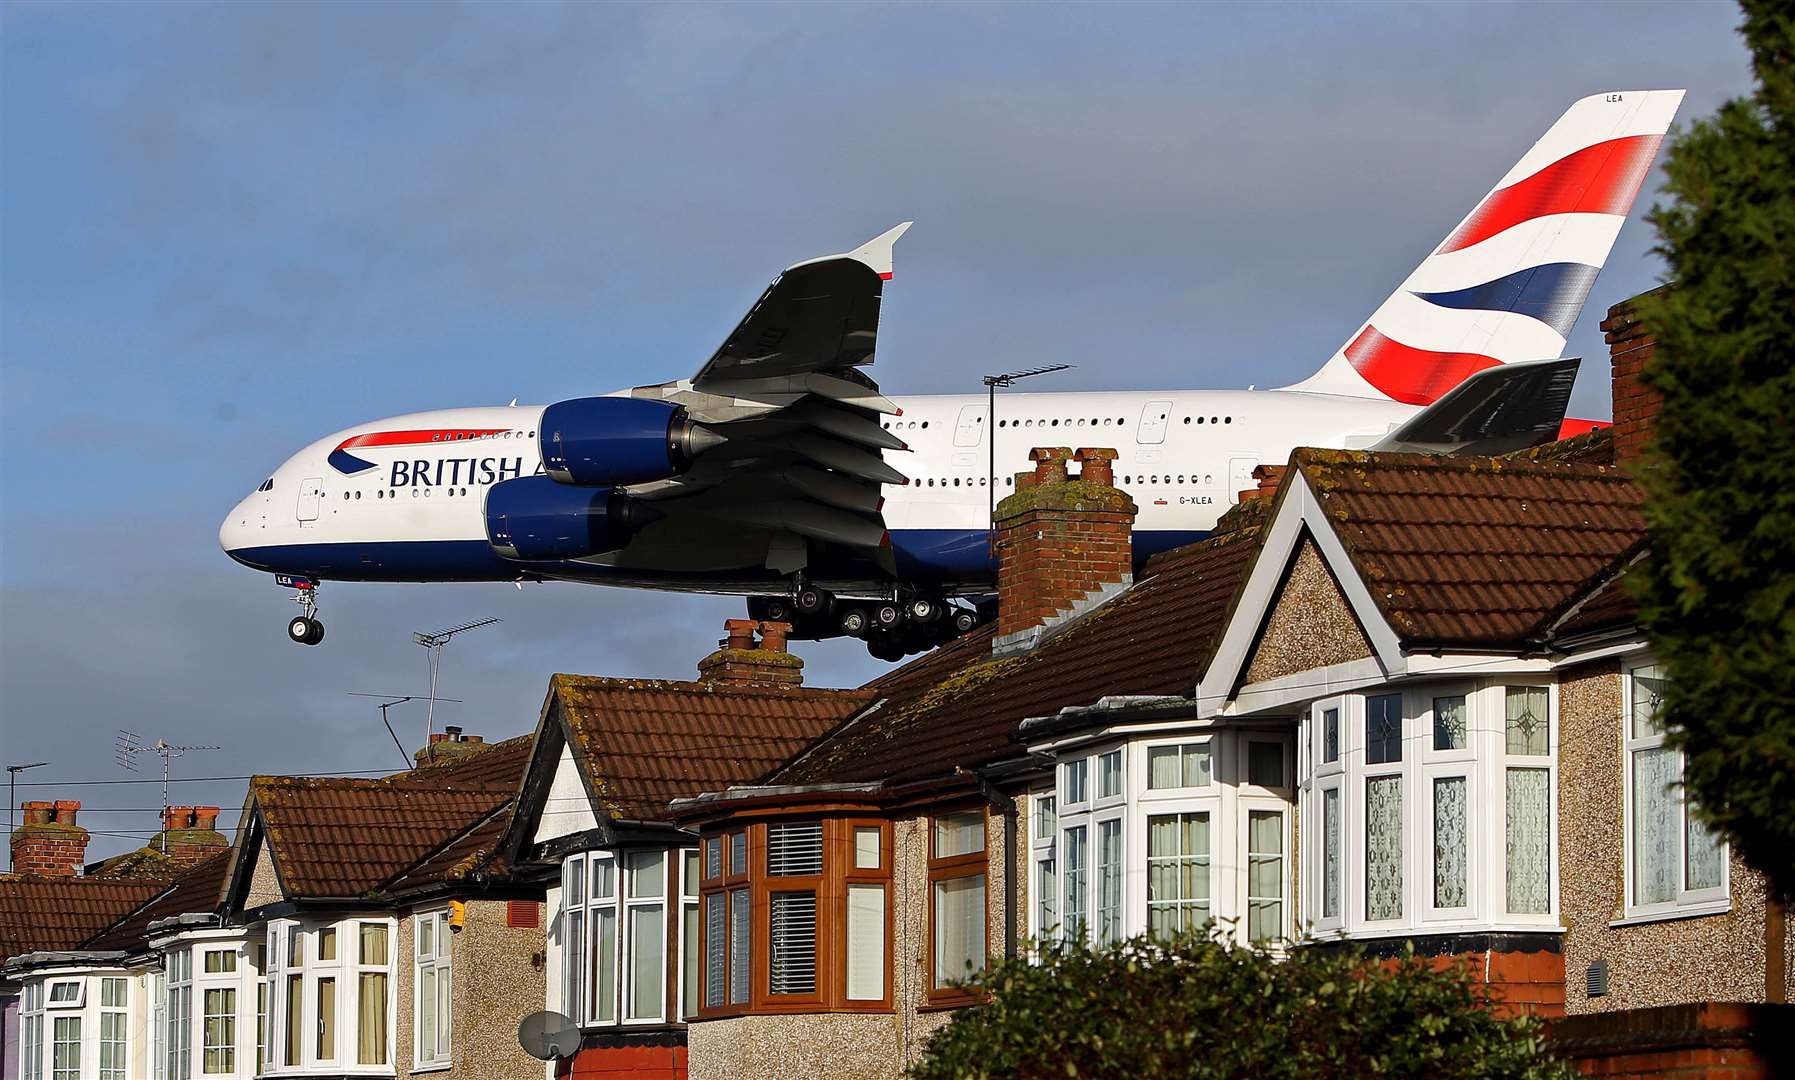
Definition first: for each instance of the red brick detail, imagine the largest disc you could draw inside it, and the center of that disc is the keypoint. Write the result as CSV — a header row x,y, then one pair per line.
x,y
1061,538
1704,1041
641,1062
1630,347
49,843
1530,983
523,914
741,659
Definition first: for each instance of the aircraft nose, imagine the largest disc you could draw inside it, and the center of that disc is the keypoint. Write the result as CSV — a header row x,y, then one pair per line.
x,y
233,530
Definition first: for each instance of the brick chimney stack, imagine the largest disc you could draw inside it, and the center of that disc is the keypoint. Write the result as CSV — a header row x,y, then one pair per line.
x,y
49,843
449,744
1630,346
741,660
1269,477
189,834
1065,543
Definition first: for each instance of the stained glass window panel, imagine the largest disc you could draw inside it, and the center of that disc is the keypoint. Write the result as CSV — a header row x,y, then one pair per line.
x,y
1450,845
1449,723
1383,848
1526,725
1383,729
1330,867
1529,842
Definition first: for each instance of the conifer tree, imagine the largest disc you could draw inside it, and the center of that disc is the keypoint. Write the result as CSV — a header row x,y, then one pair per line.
x,y
1718,593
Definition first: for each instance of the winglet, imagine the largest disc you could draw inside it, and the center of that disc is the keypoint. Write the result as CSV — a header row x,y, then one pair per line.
x,y
876,252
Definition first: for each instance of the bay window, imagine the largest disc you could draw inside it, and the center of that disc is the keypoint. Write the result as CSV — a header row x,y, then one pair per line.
x,y
620,911
1043,835
794,915
432,987
1177,873
114,1001
330,985
1675,865
65,1049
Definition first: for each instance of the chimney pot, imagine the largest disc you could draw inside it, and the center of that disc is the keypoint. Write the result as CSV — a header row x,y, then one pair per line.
x,y
1050,463
1097,465
738,661
473,738
49,843
438,736
205,817
739,633
452,732
38,812
773,634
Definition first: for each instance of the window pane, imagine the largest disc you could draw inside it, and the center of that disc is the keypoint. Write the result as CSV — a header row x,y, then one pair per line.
x,y
573,972
1072,781
713,857
691,950
1162,767
1265,875
688,869
1331,855
295,1019
1706,855
959,928
1654,826
1330,735
1449,723
1529,842
791,943
1047,900
866,942
604,965
65,1049
327,944
1109,882
716,947
373,944
1383,847
866,847
648,941
427,930
1196,764
1265,764
1526,720
1109,775
1648,698
1076,879
220,960
112,993
1450,847
1177,873
327,1019
739,913
1046,817
795,848
738,853
959,834
604,879
1383,729
647,874
370,1046
219,1029
112,1045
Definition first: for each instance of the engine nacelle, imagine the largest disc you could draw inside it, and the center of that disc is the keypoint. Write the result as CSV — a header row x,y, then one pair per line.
x,y
532,519
617,441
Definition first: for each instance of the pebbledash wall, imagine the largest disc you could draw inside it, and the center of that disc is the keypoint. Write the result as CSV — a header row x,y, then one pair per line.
x,y
1741,954
494,968
872,1046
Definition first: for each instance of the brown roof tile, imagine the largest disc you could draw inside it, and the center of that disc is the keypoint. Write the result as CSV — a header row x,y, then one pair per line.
x,y
198,890
1473,551
341,837
52,914
959,707
649,741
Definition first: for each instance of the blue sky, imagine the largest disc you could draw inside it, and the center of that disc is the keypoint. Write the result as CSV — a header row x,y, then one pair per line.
x,y
226,230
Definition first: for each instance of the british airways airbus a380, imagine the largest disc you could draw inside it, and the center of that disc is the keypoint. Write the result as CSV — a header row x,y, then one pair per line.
x,y
780,472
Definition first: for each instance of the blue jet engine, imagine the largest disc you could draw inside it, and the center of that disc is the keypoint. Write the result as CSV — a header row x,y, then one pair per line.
x,y
618,441
534,519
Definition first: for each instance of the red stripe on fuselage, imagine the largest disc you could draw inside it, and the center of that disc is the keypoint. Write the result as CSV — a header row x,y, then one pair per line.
x,y
413,438
1410,375
1599,179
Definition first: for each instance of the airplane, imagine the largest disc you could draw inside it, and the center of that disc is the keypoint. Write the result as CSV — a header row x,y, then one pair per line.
x,y
781,472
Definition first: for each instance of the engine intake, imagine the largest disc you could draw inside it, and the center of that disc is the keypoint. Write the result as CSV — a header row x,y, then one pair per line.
x,y
532,519
618,441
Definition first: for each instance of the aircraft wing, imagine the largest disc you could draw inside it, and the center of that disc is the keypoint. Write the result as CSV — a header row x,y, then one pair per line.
x,y
800,462
1507,407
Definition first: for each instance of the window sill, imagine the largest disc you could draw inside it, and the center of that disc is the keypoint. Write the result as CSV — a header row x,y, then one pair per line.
x,y
1683,911
433,1067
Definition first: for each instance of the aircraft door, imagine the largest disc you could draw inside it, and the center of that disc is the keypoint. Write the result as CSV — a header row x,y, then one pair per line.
x,y
311,493
1240,475
1154,417
971,429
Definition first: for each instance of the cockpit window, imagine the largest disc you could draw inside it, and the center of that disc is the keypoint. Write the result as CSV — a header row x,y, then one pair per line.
x,y
267,485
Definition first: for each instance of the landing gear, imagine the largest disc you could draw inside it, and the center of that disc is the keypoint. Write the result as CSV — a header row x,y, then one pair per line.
x,y
304,628
812,600
893,628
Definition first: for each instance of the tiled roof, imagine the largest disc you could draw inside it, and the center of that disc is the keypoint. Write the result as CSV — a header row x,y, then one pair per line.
x,y
1606,605
649,741
340,837
53,914
197,891
958,707
1473,551
456,860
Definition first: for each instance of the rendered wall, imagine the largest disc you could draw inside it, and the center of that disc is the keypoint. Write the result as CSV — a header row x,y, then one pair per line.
x,y
1310,625
494,985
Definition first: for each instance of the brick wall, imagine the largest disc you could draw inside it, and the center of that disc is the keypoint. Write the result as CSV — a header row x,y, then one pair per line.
x,y
1710,1041
639,1062
743,660
49,842
1630,346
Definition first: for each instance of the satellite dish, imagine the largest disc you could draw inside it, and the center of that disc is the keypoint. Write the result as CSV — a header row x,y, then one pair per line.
x,y
546,1036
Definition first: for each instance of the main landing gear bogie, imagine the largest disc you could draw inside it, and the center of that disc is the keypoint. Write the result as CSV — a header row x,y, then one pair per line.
x,y
892,628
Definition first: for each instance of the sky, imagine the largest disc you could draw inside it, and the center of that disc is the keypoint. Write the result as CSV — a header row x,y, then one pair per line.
x,y
228,230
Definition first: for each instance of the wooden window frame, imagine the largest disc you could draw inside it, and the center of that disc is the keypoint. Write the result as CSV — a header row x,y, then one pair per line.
x,y
947,869
831,889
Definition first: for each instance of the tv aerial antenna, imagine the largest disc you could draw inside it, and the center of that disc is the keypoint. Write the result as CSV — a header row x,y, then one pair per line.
x,y
433,644
992,382
129,744
398,699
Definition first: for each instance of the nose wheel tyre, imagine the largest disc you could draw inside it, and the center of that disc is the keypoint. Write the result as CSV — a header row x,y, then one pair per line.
x,y
305,631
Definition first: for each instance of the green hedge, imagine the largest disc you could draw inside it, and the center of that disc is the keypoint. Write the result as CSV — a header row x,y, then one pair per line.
x,y
1192,1007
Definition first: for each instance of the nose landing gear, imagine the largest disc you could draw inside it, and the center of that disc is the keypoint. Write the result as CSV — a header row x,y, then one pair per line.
x,y
304,628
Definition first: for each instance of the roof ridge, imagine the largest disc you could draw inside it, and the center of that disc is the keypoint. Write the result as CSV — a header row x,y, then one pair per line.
x,y
1310,456
618,682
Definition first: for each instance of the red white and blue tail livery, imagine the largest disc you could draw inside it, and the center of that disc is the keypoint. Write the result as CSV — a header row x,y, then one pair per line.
x,y
780,471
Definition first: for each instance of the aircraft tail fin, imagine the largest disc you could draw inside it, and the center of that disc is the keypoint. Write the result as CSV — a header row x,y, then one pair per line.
x,y
1509,281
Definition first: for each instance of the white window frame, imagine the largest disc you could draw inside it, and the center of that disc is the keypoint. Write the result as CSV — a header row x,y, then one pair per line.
x,y
618,905
1547,763
177,1013
1248,807
1322,775
31,1031
691,880
1687,902
628,1008
346,969
1116,758
1074,778
75,1001
1206,743
440,963
123,1042
72,1017
1122,921
1449,764
1044,877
